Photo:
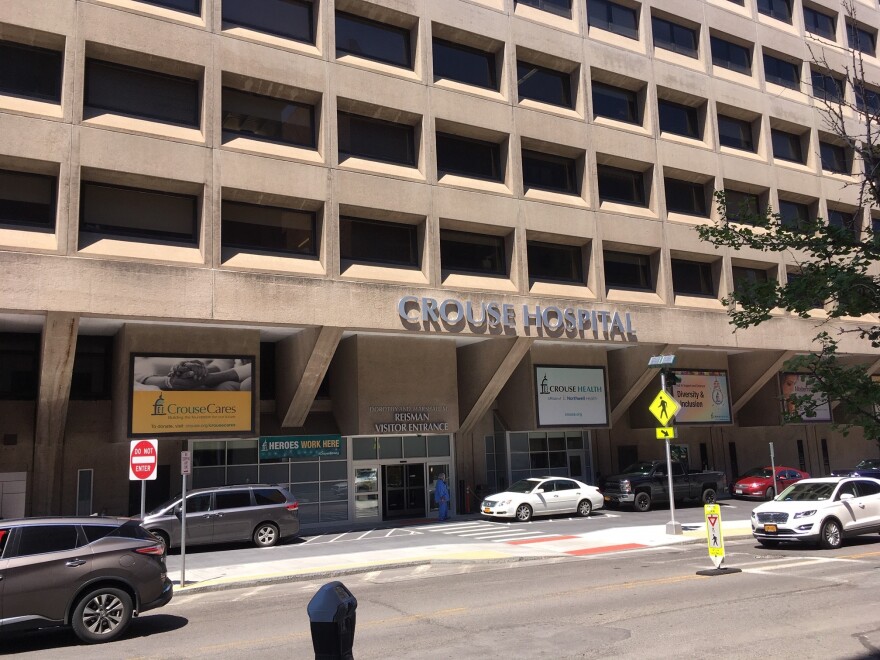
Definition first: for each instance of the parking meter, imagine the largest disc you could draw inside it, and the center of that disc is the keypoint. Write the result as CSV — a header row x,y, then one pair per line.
x,y
332,617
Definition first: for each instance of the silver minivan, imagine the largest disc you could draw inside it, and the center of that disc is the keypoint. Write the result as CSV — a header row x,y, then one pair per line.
x,y
260,513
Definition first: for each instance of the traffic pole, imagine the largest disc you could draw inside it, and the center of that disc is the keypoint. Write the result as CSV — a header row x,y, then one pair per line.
x,y
143,498
183,533
672,527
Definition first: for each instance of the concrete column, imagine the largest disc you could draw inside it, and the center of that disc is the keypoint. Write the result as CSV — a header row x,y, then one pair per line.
x,y
57,351
301,363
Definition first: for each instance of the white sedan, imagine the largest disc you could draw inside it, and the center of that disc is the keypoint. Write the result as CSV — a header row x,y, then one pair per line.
x,y
538,496
822,511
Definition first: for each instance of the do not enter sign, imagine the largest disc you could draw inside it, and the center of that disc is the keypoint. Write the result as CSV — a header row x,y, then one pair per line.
x,y
143,460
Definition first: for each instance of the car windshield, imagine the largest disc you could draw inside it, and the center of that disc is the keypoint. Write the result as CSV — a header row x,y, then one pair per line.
x,y
868,464
765,473
801,492
639,468
523,486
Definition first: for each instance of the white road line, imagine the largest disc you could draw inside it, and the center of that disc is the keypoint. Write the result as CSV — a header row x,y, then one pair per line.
x,y
338,537
475,530
390,532
519,538
363,535
453,525
250,593
509,534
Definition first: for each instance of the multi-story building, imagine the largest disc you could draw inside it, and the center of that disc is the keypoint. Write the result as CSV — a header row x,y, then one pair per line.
x,y
346,245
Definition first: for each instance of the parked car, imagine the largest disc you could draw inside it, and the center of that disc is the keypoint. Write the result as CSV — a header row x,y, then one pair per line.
x,y
820,511
90,573
260,513
538,496
758,482
645,483
869,467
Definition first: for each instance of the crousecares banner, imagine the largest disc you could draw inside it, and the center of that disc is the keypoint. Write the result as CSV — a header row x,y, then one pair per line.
x,y
571,396
704,397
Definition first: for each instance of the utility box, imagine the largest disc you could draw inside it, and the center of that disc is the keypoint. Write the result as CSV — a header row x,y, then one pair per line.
x,y
332,616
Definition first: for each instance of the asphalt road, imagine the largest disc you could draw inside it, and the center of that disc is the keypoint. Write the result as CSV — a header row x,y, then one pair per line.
x,y
791,603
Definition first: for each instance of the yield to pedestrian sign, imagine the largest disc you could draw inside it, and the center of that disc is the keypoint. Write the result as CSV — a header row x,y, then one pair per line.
x,y
664,407
713,533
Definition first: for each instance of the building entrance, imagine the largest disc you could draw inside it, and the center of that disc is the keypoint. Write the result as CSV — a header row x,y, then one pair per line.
x,y
404,495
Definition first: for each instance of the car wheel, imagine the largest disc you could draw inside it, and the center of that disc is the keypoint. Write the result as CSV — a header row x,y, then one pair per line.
x,y
642,502
769,544
265,535
770,494
102,615
709,496
162,535
585,508
524,513
830,537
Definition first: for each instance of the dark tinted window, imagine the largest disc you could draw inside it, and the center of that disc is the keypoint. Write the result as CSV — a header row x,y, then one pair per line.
x,y
464,64
741,206
793,214
786,146
692,277
372,40
781,72
866,487
685,197
135,212
867,100
861,39
92,368
272,228
615,103
544,85
833,158
376,241
376,139
40,539
268,118
232,499
847,222
141,93
472,253
736,133
269,496
189,6
557,263
198,503
95,532
291,19
674,37
468,157
827,87
614,17
743,275
679,119
30,71
549,172
27,200
559,7
731,56
19,365
778,9
819,23
630,271
620,185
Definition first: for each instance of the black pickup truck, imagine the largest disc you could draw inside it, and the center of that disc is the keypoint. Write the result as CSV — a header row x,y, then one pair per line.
x,y
646,483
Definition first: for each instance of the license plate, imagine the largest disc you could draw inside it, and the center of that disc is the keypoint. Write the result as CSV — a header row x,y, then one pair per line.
x,y
607,498
487,510
739,491
770,529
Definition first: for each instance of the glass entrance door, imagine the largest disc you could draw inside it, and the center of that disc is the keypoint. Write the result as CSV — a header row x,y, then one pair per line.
x,y
366,492
404,491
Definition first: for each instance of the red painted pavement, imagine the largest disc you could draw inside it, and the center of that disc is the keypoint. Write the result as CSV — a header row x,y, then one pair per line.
x,y
605,548
544,539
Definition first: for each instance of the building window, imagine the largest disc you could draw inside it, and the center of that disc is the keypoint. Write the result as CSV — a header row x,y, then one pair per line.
x,y
375,241
138,213
19,366
30,71
861,39
833,158
268,118
376,139
742,207
28,200
614,17
678,119
462,251
267,371
92,368
141,93
735,133
615,103
787,146
778,9
628,271
549,172
464,64
849,223
555,263
685,197
692,278
729,55
372,40
289,19
672,36
819,23
545,85
748,276
867,100
620,185
270,228
558,7
188,6
781,72
468,157
793,214
827,87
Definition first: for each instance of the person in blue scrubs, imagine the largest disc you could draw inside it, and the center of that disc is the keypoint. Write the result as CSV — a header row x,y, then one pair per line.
x,y
441,494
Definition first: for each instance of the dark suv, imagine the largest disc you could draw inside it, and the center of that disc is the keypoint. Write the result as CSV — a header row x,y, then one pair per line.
x,y
90,573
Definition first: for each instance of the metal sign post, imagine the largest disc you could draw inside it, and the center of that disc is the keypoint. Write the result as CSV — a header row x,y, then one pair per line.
x,y
185,470
773,467
664,408
672,527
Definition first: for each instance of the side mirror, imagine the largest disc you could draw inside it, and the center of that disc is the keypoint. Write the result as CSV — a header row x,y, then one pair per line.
x,y
537,491
178,509
846,496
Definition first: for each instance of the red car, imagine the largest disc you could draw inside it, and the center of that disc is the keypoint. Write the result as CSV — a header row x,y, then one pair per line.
x,y
757,483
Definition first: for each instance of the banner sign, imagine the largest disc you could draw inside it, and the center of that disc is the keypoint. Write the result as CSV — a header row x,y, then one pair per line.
x,y
796,384
571,396
295,446
191,395
704,397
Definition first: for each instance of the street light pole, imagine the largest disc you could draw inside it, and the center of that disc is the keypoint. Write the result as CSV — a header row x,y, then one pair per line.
x,y
672,527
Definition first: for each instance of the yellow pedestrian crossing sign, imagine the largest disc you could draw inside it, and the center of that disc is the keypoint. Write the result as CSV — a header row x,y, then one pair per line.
x,y
666,433
714,537
664,407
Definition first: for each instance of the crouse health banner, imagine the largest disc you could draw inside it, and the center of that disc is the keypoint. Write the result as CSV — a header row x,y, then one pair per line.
x,y
571,396
704,397
796,384
186,394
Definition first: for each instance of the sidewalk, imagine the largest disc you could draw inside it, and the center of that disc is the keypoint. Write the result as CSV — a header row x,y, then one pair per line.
x,y
552,547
